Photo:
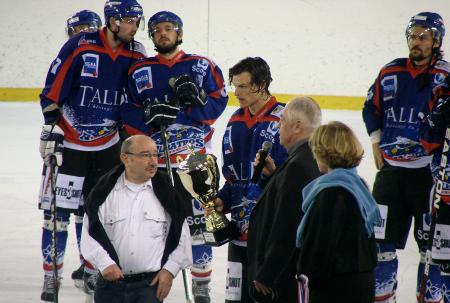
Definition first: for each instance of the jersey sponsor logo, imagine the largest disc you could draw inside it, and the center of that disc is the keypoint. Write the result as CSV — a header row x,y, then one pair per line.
x,y
424,230
68,190
441,242
90,67
203,64
380,227
143,78
101,99
233,289
389,84
439,79
401,115
277,111
84,41
227,143
272,130
180,140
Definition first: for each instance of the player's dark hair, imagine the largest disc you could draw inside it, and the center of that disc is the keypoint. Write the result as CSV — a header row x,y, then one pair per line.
x,y
257,68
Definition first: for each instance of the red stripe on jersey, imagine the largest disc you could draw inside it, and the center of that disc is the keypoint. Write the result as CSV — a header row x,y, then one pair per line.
x,y
376,99
259,116
170,62
429,146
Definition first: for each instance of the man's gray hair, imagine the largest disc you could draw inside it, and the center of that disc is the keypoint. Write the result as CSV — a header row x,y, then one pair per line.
x,y
126,145
305,107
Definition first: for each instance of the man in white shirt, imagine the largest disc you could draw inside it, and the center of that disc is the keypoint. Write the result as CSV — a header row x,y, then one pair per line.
x,y
134,231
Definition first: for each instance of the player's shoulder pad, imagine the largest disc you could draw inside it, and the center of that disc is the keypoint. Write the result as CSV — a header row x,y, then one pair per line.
x,y
76,42
396,62
442,65
139,47
139,63
277,110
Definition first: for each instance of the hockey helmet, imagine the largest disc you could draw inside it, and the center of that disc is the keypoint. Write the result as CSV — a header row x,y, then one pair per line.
x,y
164,16
429,20
122,8
84,17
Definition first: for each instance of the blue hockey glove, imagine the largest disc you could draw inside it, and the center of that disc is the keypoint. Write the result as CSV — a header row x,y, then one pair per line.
x,y
439,118
161,113
51,145
187,91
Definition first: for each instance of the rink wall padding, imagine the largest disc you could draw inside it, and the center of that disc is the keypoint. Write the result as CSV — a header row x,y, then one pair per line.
x,y
325,101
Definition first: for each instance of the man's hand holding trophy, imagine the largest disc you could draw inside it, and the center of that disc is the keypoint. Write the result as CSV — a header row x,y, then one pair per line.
x,y
200,176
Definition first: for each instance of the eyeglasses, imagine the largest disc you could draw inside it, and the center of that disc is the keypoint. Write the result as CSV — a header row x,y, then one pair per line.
x,y
143,155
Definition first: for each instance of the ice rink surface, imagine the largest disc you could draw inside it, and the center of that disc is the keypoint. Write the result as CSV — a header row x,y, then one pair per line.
x,y
21,274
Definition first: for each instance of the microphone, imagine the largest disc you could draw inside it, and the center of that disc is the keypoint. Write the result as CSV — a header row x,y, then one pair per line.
x,y
266,146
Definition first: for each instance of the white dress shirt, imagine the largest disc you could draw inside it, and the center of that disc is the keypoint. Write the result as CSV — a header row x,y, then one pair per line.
x,y
137,226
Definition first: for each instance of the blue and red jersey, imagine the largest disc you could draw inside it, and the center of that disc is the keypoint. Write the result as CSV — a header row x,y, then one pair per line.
x,y
148,84
243,138
433,139
84,88
392,108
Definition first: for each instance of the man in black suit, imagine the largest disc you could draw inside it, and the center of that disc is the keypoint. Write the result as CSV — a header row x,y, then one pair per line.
x,y
273,223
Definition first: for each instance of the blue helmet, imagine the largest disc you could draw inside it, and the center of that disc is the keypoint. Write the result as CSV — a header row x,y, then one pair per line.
x,y
429,20
164,16
122,8
84,17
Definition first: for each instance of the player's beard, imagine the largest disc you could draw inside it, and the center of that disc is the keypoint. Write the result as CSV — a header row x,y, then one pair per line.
x,y
418,55
166,49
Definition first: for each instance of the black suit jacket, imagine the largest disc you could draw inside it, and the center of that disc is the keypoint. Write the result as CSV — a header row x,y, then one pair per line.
x,y
165,193
272,254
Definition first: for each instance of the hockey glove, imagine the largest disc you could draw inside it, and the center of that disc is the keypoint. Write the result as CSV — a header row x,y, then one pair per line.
x,y
187,91
51,146
161,114
439,118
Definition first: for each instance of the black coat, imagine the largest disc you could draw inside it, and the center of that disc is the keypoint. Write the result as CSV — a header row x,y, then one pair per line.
x,y
336,254
165,193
273,223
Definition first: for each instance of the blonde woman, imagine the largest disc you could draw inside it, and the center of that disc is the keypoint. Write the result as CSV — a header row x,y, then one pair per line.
x,y
336,234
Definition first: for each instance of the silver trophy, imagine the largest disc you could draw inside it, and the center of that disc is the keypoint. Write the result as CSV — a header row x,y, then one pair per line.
x,y
200,177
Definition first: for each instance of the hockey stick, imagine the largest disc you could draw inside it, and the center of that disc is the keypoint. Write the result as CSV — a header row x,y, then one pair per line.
x,y
54,251
186,279
433,216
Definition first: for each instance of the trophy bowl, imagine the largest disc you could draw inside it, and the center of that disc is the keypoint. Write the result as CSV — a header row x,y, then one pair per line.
x,y
200,177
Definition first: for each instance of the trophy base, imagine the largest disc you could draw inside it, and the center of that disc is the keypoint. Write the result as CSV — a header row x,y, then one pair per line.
x,y
217,237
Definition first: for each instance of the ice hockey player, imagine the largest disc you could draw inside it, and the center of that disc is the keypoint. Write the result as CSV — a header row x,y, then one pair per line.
x,y
403,182
255,122
84,21
433,133
186,93
80,103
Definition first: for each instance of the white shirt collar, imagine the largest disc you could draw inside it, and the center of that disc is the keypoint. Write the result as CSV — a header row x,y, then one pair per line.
x,y
123,182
